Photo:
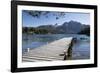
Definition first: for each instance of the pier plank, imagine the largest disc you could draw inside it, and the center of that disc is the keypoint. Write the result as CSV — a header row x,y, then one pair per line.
x,y
50,51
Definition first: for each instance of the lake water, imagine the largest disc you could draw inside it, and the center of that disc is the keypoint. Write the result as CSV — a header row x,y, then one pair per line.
x,y
80,50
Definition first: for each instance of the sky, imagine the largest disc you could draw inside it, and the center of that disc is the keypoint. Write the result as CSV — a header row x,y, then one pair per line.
x,y
30,21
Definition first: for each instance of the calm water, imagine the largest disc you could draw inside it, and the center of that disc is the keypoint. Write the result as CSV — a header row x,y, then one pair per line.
x,y
81,49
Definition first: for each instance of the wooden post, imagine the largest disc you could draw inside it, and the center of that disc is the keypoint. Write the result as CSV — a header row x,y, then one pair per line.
x,y
28,49
65,55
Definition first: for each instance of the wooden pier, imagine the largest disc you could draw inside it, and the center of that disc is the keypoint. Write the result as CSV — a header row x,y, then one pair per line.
x,y
58,50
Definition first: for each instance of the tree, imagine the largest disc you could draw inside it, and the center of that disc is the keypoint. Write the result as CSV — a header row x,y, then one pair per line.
x,y
85,31
38,14
25,30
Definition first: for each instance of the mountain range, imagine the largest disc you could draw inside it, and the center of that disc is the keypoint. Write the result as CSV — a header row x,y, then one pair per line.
x,y
66,28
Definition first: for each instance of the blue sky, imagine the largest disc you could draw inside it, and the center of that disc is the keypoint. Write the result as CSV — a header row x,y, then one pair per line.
x,y
29,21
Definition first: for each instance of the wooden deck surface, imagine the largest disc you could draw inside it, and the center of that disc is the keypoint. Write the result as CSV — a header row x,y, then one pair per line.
x,y
49,52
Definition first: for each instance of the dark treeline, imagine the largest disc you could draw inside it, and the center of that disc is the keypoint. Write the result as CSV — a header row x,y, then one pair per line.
x,y
85,31
34,30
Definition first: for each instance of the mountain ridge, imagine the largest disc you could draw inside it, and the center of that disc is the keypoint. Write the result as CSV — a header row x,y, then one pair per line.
x,y
71,27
